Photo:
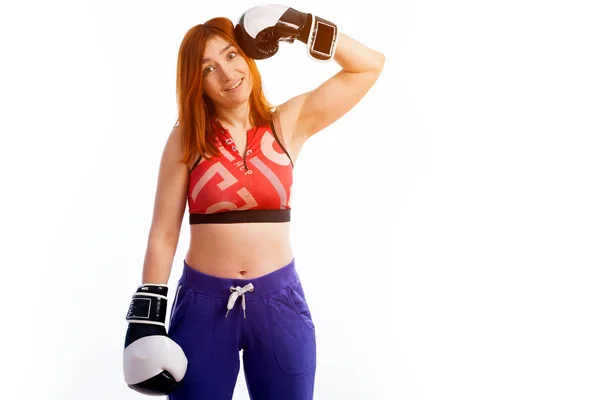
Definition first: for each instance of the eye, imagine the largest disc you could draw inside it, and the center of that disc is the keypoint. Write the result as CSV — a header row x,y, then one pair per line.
x,y
233,54
207,70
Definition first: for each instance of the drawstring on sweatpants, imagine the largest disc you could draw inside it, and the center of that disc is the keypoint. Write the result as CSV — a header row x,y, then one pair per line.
x,y
237,292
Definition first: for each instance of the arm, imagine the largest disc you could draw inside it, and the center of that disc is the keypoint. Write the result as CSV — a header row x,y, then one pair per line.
x,y
169,207
258,33
153,363
313,111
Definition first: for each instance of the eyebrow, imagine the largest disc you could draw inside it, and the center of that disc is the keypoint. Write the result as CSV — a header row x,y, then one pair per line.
x,y
205,60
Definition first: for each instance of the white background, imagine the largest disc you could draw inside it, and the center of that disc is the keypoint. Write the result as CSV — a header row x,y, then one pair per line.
x,y
446,229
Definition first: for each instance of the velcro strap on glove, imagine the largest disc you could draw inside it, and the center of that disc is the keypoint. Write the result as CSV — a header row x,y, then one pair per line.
x,y
322,38
148,305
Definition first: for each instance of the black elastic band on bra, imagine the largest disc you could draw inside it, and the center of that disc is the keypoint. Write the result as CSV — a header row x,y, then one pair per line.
x,y
241,216
196,163
280,144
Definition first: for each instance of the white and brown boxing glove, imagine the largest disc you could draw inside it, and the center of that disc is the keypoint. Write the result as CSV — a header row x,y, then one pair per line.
x,y
260,30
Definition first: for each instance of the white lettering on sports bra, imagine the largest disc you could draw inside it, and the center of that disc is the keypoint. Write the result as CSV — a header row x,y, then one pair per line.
x,y
266,146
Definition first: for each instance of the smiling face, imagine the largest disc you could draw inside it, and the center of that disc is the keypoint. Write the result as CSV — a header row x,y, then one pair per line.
x,y
226,75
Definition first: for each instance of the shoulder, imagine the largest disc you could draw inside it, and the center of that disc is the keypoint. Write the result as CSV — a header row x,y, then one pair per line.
x,y
285,124
286,118
174,144
175,148
287,113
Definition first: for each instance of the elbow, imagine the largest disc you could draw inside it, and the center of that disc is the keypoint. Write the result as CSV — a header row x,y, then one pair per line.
x,y
165,239
380,61
376,63
377,67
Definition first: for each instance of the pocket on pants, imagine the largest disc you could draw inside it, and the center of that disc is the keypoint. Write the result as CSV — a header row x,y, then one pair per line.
x,y
292,331
179,309
193,328
297,298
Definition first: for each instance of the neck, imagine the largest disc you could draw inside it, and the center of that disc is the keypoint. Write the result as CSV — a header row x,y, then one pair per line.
x,y
236,117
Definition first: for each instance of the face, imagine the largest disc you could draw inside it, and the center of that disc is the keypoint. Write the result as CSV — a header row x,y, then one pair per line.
x,y
226,75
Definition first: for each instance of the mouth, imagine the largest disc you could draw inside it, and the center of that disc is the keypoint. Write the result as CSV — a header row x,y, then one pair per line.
x,y
235,86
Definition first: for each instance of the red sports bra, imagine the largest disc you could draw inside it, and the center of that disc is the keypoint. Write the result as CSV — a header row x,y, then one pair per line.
x,y
228,188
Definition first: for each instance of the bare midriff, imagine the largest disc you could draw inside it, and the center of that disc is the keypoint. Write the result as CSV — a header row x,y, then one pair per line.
x,y
239,251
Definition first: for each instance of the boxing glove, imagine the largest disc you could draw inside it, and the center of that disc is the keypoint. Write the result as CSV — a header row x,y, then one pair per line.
x,y
152,362
260,30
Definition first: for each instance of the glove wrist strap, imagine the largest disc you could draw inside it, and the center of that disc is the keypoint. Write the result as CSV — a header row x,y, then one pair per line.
x,y
322,39
148,305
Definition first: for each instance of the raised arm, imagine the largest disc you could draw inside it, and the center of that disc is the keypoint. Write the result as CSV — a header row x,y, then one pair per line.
x,y
313,111
262,28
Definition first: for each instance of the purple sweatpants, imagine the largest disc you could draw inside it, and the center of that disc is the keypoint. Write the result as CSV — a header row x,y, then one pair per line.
x,y
275,333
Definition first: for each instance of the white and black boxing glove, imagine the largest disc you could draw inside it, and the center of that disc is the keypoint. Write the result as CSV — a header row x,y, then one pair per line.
x,y
153,364
260,30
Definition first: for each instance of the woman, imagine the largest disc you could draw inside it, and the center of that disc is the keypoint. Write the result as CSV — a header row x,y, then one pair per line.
x,y
231,158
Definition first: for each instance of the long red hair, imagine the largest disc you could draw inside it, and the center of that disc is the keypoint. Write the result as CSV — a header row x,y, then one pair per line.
x,y
195,109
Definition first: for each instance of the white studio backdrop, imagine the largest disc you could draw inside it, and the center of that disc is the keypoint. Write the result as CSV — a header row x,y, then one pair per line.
x,y
446,229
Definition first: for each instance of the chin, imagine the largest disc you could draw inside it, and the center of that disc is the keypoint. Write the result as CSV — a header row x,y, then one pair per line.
x,y
239,101
240,98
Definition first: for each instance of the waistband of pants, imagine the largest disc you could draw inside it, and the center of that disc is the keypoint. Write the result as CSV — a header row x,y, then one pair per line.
x,y
218,287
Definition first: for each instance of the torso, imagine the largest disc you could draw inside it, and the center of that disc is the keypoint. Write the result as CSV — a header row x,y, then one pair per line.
x,y
239,250
244,250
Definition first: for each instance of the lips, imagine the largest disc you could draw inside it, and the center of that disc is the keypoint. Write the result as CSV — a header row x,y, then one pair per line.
x,y
235,85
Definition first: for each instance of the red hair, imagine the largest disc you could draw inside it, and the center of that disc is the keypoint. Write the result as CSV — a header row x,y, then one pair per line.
x,y
195,109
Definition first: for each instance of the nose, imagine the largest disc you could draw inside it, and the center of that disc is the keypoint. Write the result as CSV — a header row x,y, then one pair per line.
x,y
227,73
